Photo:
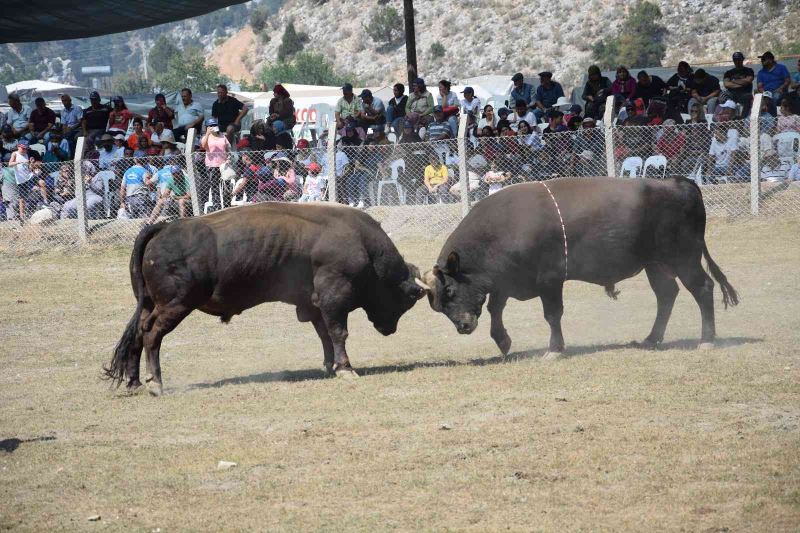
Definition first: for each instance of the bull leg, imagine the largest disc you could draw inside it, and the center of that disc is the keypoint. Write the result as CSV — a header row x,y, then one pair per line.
x,y
337,329
699,283
553,305
498,332
333,295
168,319
327,343
134,362
666,289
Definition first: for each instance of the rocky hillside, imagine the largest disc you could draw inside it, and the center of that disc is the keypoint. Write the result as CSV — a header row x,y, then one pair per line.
x,y
503,36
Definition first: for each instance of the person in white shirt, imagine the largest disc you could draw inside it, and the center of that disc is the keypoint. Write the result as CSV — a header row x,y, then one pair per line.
x,y
189,114
18,115
521,112
721,151
449,99
470,103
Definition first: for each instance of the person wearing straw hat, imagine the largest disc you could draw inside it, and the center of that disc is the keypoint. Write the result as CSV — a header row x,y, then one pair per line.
x,y
107,153
168,144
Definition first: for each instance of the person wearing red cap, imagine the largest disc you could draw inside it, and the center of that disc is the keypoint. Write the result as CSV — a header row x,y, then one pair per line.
x,y
315,185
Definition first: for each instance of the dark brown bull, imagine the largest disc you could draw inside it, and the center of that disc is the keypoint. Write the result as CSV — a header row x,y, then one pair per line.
x,y
527,240
325,260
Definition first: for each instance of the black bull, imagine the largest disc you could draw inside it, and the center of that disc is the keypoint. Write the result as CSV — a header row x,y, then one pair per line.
x,y
513,245
325,260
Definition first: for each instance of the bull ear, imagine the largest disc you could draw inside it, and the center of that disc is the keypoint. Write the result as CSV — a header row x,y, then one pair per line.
x,y
453,265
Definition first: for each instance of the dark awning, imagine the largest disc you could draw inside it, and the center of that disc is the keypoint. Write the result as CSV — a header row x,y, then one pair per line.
x,y
53,20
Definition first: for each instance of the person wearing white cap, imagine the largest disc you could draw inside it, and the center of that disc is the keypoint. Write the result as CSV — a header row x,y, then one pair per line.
x,y
725,111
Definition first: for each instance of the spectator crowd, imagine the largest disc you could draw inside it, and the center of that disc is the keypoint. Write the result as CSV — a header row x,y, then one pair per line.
x,y
133,166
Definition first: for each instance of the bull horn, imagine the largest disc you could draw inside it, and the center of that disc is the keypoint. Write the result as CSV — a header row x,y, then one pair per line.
x,y
422,284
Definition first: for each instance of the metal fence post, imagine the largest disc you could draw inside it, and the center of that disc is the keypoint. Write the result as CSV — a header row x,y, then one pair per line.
x,y
608,117
755,155
80,191
187,150
462,164
331,149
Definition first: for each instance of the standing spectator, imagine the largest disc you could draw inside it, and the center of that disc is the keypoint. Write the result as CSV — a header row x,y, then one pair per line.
x,y
373,112
396,110
71,118
20,162
176,189
434,182
281,108
18,116
773,78
470,103
522,91
138,133
216,146
706,91
623,88
679,89
189,114
547,94
648,87
738,83
522,113
42,121
347,106
439,129
95,118
160,113
228,112
419,106
93,189
120,117
595,92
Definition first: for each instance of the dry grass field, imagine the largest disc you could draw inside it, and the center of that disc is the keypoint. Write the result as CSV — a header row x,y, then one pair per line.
x,y
439,433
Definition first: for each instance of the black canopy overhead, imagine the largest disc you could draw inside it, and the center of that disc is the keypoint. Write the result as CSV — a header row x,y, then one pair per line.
x,y
52,20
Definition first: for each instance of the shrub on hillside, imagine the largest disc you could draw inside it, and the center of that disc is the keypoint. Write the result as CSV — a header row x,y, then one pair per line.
x,y
385,26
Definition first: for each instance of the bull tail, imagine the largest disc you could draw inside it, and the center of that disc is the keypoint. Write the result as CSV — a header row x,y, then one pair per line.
x,y
118,369
729,295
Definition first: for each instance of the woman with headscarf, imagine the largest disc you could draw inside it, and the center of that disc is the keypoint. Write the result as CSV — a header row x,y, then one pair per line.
x,y
624,87
281,108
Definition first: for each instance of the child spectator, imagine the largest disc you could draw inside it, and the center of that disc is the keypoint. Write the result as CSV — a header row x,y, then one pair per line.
x,y
175,189
495,179
434,182
315,185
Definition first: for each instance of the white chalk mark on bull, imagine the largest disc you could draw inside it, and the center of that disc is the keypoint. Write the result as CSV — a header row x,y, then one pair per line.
x,y
563,231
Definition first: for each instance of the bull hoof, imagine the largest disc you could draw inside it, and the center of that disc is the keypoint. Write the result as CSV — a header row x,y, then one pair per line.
x,y
329,369
155,388
553,356
133,388
346,373
504,345
646,344
705,346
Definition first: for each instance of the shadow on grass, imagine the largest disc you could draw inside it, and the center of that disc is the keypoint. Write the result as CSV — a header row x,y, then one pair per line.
x,y
574,351
9,445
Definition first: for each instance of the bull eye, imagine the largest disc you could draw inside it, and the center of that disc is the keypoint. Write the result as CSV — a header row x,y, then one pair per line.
x,y
450,291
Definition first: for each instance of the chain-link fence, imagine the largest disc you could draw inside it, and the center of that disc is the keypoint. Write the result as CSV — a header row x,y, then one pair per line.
x,y
415,189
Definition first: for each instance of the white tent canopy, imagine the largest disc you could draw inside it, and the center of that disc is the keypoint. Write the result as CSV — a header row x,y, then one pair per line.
x,y
38,85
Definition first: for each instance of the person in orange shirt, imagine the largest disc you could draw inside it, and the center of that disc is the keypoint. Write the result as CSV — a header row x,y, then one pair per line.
x,y
138,131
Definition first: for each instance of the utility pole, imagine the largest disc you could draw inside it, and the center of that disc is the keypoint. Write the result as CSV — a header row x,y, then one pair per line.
x,y
144,56
411,41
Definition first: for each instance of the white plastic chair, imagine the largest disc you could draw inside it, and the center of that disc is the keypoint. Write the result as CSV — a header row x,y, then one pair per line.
x,y
787,144
210,203
655,162
632,166
395,165
243,199
442,150
106,176
391,137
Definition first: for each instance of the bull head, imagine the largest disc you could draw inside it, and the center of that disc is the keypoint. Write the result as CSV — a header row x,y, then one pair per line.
x,y
432,280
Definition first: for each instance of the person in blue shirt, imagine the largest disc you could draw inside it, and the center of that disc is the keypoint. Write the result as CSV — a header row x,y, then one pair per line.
x,y
133,191
521,91
773,77
547,93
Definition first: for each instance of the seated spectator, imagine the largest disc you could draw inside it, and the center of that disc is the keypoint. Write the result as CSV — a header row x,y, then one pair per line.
x,y
502,114
18,117
142,147
315,185
119,145
281,108
95,118
738,83
168,144
396,110
161,112
176,189
773,78
448,100
726,112
282,184
71,117
158,131
439,129
93,192
671,142
574,123
495,179
249,168
488,118
588,146
188,115
42,121
547,94
571,112
134,194
350,136
119,118
787,119
623,88
378,138
434,182
595,92
373,112
138,132
648,87
679,89
347,106
419,106
9,143
522,113
522,91
794,85
721,153
470,103
794,172
705,91
64,185
408,134
555,122
57,148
